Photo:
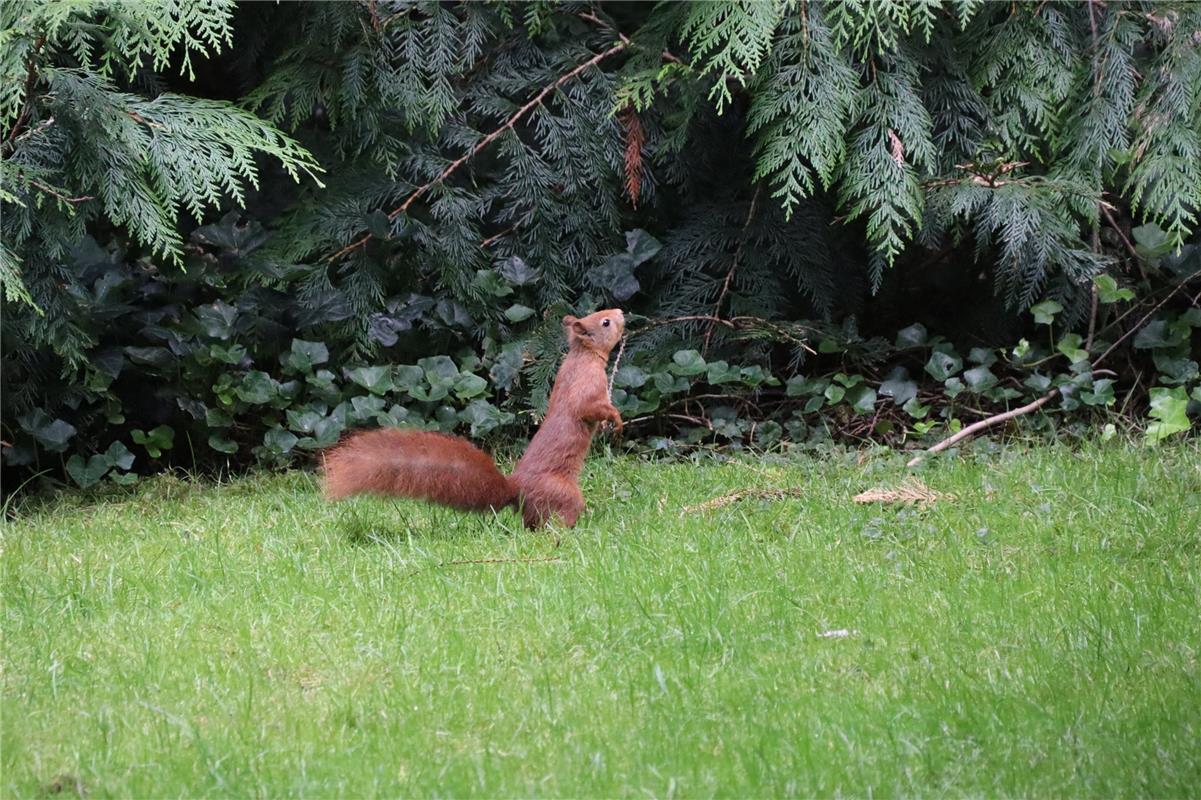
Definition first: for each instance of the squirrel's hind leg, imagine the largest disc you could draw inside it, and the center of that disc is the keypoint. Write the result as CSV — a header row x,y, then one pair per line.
x,y
554,497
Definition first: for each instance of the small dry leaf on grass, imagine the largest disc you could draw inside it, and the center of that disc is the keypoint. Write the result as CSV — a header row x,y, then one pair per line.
x,y
734,497
911,491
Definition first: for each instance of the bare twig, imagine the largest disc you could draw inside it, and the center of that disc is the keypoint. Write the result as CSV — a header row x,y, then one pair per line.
x,y
491,240
1138,260
31,80
982,424
537,560
734,261
59,195
483,143
742,322
1135,328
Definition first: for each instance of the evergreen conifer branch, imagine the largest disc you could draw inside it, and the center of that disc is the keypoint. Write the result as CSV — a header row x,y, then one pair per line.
x,y
509,125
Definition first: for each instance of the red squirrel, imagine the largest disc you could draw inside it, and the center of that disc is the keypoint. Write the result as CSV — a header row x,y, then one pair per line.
x,y
453,472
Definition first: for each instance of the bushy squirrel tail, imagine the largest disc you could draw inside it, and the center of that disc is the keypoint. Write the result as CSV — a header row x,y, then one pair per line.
x,y
421,464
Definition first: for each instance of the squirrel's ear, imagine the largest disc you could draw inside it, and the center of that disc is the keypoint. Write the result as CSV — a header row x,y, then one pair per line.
x,y
567,320
579,329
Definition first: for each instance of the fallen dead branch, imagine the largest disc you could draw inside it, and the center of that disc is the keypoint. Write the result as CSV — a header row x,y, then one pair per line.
x,y
741,494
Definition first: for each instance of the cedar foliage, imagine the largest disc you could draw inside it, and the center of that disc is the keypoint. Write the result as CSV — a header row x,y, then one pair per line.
x,y
396,193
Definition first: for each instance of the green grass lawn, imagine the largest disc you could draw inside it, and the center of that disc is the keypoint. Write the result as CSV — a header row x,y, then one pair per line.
x,y
1036,635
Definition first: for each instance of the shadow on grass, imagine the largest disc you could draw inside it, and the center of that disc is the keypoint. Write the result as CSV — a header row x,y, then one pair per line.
x,y
391,522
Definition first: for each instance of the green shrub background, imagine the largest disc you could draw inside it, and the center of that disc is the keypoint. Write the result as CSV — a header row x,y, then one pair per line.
x,y
232,232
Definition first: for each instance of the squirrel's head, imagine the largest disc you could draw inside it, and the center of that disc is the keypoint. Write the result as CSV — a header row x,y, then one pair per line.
x,y
599,332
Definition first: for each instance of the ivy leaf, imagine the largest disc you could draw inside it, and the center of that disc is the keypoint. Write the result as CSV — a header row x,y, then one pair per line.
x,y
755,376
641,246
899,387
1175,368
862,398
1101,393
156,441
490,282
913,336
87,473
1038,382
52,435
483,417
518,313
616,275
1069,345
119,456
916,409
221,444
507,368
377,380
1044,312
231,354
157,357
942,366
407,377
980,379
469,385
440,371
667,383
630,377
304,421
1151,242
305,355
517,272
687,363
227,235
378,225
365,407
1108,291
1169,409
257,388
1160,333
453,314
217,319
800,386
280,441
983,356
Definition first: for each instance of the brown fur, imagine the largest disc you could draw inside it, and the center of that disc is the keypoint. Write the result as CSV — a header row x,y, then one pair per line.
x,y
451,471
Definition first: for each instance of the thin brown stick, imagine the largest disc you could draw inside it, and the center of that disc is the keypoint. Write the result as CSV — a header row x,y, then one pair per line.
x,y
1092,311
483,143
1146,317
1040,402
1113,223
31,80
734,261
536,560
982,424
491,240
57,194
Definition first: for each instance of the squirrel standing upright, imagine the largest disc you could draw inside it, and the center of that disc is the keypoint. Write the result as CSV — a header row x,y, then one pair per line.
x,y
453,472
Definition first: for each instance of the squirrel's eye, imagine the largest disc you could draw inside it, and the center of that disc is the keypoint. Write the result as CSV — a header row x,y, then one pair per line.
x,y
605,323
